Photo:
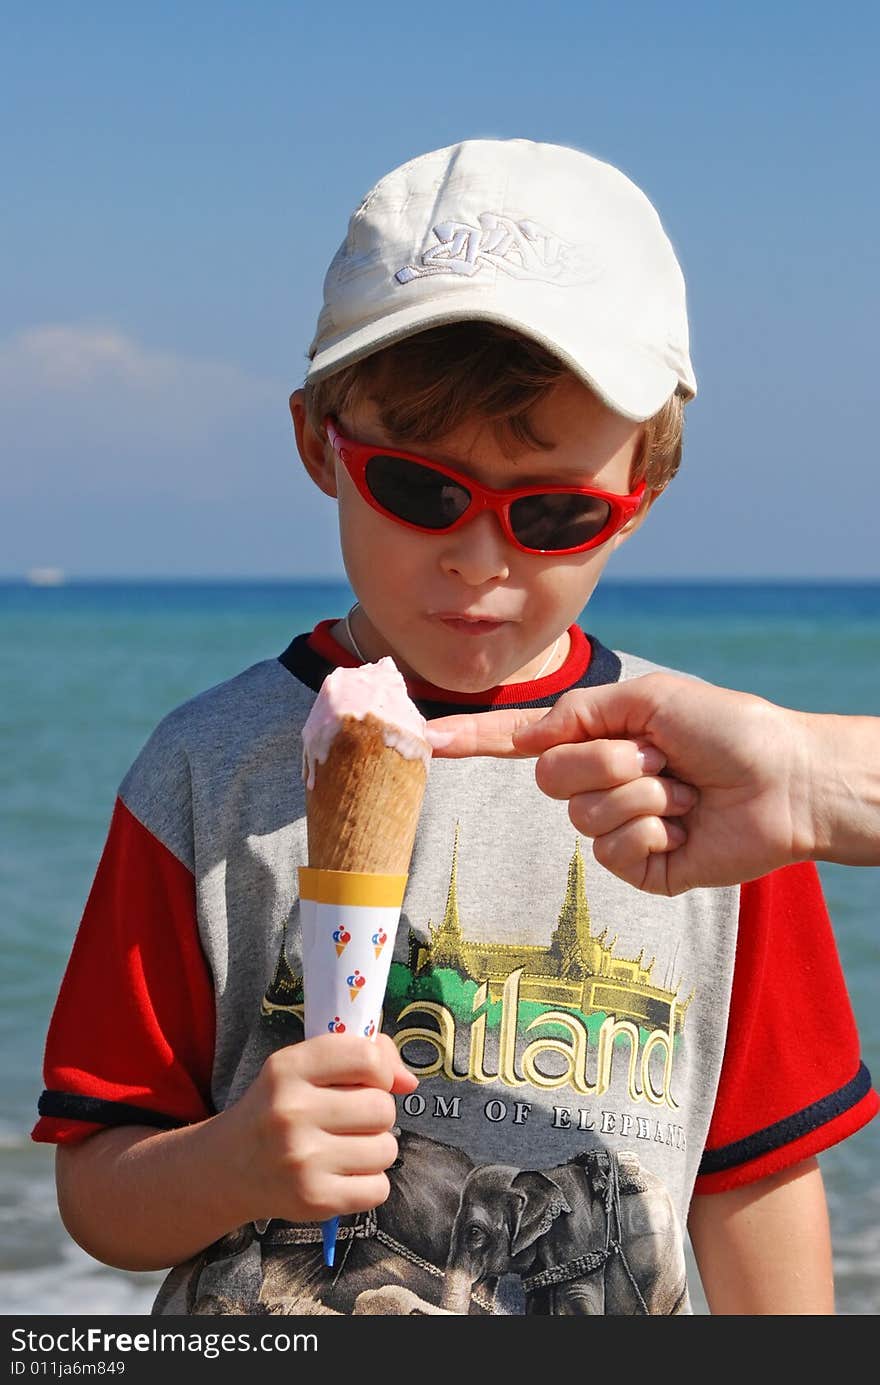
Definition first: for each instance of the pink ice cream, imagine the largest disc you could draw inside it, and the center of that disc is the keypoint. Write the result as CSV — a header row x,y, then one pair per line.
x,y
377,689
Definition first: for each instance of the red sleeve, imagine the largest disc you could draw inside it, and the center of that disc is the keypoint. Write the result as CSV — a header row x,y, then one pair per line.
x,y
792,1082
131,1039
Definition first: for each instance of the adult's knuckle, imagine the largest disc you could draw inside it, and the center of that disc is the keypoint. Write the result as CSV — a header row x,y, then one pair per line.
x,y
604,850
568,701
617,850
550,771
582,814
620,762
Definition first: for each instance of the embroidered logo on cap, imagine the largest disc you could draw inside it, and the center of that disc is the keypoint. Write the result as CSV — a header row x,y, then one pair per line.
x,y
523,249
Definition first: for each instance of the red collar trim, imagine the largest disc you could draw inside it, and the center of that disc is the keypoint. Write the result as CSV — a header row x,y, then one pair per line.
x,y
509,694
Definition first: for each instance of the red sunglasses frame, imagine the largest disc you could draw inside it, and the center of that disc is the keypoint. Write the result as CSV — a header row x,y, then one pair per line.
x,y
356,455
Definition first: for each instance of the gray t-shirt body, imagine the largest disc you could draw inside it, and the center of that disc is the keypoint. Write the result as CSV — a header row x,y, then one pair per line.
x,y
568,1030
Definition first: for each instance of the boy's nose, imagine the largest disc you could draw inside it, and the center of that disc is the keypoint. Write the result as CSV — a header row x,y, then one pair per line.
x,y
478,552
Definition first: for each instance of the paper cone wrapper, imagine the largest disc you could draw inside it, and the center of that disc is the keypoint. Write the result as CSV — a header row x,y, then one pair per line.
x,y
363,807
344,991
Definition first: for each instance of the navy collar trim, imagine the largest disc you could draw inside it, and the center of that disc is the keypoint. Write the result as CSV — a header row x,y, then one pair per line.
x,y
311,668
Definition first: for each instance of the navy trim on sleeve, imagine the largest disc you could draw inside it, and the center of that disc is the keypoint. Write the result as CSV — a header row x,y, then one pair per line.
x,y
784,1132
69,1106
301,660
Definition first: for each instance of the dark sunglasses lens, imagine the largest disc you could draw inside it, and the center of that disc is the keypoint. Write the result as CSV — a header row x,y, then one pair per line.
x,y
415,493
551,522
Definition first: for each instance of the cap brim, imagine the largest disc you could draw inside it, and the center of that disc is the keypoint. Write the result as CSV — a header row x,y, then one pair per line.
x,y
632,382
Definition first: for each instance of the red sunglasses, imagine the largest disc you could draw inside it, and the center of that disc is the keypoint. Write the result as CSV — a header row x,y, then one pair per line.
x,y
434,499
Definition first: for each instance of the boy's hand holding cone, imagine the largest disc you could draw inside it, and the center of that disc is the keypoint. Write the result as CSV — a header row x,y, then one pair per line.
x,y
365,760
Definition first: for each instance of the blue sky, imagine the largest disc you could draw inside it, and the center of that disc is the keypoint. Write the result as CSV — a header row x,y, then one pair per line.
x,y
178,176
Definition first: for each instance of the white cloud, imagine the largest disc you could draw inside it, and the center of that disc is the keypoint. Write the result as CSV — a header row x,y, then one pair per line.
x,y
87,360
87,407
118,458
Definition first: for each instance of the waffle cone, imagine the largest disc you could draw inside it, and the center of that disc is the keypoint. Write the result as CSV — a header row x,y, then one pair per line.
x,y
364,807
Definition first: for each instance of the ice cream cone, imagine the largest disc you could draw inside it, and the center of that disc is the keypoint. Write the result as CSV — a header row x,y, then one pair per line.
x,y
363,808
365,780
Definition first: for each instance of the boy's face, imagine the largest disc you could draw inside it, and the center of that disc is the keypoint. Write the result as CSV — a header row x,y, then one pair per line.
x,y
467,610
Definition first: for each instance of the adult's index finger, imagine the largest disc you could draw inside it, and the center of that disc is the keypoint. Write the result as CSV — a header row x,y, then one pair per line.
x,y
482,733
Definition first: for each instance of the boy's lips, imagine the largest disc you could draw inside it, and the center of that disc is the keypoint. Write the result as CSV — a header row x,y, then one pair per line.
x,y
469,624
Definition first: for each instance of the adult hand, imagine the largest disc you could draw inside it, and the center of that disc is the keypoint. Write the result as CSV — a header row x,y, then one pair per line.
x,y
746,787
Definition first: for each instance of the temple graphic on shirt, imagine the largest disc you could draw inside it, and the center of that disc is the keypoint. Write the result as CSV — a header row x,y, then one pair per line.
x,y
576,970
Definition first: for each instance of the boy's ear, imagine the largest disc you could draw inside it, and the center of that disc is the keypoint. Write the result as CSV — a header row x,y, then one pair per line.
x,y
317,456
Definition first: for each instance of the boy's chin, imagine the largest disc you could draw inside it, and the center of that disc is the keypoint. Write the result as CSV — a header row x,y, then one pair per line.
x,y
469,681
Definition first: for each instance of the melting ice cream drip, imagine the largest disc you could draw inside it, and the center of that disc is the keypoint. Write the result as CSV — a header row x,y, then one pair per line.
x,y
375,689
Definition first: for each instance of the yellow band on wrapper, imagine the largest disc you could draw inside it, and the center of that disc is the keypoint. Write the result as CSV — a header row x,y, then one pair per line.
x,y
351,887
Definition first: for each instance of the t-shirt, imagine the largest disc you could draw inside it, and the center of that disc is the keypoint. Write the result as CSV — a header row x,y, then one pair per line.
x,y
589,1055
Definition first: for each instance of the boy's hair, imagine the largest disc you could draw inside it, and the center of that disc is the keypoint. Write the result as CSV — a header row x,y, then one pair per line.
x,y
429,384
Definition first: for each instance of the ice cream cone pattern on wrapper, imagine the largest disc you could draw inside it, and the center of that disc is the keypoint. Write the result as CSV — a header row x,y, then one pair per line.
x,y
365,762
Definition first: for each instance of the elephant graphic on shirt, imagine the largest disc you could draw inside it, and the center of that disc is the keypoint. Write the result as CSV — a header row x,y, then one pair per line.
x,y
404,1241
596,1235
278,1267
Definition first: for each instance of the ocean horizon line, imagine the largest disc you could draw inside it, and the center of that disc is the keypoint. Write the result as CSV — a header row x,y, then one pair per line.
x,y
61,579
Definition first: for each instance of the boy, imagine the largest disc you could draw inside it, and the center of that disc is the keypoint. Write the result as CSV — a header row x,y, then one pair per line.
x,y
494,399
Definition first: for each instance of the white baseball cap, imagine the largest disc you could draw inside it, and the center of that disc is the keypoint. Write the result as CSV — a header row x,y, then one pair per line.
x,y
541,238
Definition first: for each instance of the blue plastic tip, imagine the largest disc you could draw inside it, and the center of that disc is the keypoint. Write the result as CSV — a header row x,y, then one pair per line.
x,y
328,1236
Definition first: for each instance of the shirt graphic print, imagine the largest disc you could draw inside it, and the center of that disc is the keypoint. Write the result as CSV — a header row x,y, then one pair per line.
x,y
595,1234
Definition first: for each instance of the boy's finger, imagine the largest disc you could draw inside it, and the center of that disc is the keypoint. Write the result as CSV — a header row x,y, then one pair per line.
x,y
343,1060
482,733
355,1192
357,1110
361,1155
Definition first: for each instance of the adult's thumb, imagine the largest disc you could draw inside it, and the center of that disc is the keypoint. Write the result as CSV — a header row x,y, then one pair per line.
x,y
586,714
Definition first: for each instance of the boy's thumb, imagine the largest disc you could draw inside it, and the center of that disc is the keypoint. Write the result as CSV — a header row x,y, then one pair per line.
x,y
404,1080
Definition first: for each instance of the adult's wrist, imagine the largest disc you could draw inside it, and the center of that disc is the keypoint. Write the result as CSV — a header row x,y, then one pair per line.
x,y
845,765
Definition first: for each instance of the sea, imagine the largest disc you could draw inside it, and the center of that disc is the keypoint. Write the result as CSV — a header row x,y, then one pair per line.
x,y
88,668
